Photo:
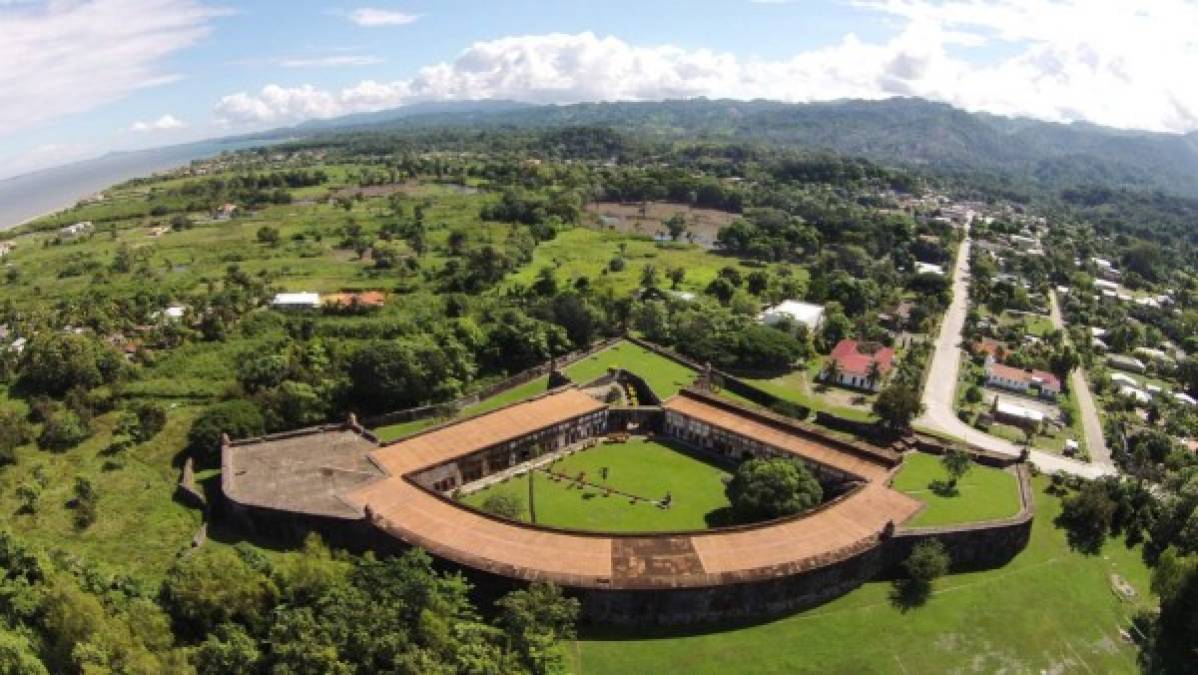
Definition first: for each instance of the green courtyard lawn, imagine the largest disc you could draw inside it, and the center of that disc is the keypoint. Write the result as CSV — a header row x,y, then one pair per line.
x,y
1048,610
641,467
664,376
984,493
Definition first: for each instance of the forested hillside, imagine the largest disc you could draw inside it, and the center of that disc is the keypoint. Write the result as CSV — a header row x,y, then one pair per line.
x,y
1034,154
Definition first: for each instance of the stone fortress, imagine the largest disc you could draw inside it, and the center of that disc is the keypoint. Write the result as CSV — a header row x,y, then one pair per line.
x,y
340,481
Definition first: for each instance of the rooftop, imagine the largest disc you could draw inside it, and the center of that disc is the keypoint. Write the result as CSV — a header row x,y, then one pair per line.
x,y
852,361
1026,375
303,472
795,310
450,441
1013,409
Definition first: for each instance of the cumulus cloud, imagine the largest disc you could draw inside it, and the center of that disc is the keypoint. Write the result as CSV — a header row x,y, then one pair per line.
x,y
167,122
61,58
1109,63
370,17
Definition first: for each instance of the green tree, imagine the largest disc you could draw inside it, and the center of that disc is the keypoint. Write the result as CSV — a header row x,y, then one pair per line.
x,y
228,649
54,363
402,373
676,225
237,418
771,488
29,494
956,463
63,429
897,405
17,656
85,503
1086,516
536,620
215,586
649,276
15,431
268,235
676,275
927,562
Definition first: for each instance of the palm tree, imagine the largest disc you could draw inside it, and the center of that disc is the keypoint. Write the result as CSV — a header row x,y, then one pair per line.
x,y
874,374
831,371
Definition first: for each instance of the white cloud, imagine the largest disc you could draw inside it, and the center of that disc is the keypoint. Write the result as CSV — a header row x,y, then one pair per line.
x,y
330,61
1119,64
370,17
167,122
62,58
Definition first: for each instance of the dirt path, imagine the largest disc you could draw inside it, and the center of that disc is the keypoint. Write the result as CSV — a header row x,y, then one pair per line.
x,y
1079,384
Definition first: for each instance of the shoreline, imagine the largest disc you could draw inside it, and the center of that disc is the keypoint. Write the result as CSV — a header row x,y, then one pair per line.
x,y
79,179
9,228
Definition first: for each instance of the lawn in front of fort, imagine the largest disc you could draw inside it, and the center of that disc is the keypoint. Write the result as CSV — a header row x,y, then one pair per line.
x,y
664,376
984,493
644,468
1048,610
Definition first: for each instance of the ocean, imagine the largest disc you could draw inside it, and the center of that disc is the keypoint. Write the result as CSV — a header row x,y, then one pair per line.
x,y
30,195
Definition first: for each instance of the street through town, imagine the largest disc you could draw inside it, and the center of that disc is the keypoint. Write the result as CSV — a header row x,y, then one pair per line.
x,y
940,390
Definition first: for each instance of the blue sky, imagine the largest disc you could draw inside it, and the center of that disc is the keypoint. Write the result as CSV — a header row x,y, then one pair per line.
x,y
82,77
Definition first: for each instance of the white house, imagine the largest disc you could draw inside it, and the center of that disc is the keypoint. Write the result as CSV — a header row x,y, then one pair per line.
x,y
1104,285
796,311
1128,363
296,301
1013,413
78,229
1023,242
1179,396
1120,379
1138,395
928,268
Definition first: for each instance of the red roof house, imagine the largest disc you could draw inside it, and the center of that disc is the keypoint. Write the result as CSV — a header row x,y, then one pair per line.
x,y
854,364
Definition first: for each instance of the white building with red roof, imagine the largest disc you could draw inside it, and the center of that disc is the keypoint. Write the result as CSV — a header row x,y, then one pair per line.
x,y
860,368
1023,380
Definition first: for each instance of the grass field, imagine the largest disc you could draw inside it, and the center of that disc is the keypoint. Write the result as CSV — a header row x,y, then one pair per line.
x,y
140,529
664,377
985,493
1049,610
797,387
640,467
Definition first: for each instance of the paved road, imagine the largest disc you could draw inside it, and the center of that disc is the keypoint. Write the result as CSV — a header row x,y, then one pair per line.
x,y
940,391
1079,385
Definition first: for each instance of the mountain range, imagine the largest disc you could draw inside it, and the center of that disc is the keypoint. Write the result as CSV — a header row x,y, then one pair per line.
x,y
902,131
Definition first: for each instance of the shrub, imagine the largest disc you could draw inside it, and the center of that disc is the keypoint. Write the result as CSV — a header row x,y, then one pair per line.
x,y
85,503
14,432
503,505
63,429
